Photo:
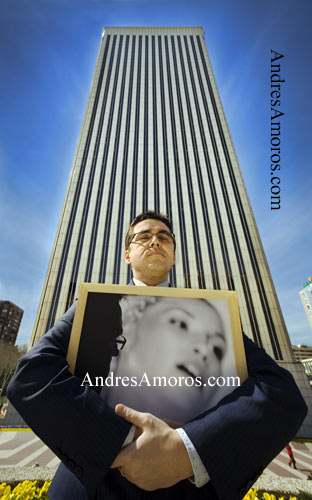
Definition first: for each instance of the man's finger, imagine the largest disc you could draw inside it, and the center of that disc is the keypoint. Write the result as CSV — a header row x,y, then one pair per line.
x,y
133,416
121,458
118,462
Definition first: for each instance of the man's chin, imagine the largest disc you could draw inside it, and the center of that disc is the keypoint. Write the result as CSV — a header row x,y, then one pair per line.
x,y
156,258
157,267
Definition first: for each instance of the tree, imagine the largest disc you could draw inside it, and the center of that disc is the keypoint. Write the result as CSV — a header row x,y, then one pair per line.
x,y
9,355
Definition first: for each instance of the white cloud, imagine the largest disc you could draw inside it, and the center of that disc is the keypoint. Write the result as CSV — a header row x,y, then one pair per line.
x,y
26,242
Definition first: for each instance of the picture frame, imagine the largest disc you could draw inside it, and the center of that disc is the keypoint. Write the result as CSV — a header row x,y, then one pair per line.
x,y
163,341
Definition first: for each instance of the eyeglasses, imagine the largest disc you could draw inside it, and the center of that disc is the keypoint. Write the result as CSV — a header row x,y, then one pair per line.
x,y
119,343
144,237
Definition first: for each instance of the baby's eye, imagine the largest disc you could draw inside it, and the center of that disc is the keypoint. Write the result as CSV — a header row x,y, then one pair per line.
x,y
218,352
218,346
179,323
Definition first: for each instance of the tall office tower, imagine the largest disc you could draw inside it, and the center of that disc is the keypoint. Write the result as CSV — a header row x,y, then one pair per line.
x,y
306,298
154,136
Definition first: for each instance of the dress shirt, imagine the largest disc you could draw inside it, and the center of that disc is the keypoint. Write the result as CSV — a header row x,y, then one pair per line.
x,y
140,283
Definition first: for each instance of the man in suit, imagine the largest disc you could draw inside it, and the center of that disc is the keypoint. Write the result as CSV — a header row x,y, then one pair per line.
x,y
223,450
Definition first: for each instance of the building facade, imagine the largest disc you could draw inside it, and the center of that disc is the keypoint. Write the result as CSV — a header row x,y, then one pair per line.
x,y
307,364
10,320
302,352
306,299
154,136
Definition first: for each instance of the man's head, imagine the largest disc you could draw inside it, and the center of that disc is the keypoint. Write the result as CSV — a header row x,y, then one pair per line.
x,y
150,247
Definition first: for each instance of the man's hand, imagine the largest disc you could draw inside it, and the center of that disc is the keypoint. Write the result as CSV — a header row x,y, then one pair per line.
x,y
158,457
172,423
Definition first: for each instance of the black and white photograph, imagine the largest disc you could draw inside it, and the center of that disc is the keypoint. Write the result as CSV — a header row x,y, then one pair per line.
x,y
171,355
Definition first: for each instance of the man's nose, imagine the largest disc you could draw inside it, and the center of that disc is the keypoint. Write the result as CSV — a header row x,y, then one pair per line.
x,y
155,241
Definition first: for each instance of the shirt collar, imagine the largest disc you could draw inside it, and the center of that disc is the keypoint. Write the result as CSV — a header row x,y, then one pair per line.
x,y
140,283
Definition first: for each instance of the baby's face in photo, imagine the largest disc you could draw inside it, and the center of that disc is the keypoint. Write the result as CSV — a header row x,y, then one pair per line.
x,y
178,337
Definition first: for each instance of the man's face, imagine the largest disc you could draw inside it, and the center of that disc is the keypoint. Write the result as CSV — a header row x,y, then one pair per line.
x,y
151,253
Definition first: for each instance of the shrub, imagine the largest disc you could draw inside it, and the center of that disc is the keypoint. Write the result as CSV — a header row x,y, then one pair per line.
x,y
27,490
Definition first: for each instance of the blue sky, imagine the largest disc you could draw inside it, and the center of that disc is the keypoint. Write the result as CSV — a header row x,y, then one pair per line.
x,y
48,50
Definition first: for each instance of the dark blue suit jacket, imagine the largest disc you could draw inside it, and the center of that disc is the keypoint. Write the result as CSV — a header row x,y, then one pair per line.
x,y
235,440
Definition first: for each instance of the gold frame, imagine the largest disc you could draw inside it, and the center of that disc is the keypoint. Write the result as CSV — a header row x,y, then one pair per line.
x,y
229,297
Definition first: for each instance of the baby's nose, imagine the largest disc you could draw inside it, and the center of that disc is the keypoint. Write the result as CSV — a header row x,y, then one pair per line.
x,y
202,350
206,350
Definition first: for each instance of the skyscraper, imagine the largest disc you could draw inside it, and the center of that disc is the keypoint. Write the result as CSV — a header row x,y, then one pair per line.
x,y
155,136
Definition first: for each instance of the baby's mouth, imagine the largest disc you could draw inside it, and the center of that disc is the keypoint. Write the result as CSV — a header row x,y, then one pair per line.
x,y
190,369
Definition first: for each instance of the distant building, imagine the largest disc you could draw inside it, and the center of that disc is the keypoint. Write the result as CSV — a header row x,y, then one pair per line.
x,y
307,363
306,298
302,352
10,320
